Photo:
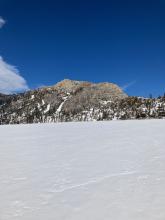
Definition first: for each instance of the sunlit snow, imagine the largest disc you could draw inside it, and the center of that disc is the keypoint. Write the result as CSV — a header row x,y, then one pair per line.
x,y
83,171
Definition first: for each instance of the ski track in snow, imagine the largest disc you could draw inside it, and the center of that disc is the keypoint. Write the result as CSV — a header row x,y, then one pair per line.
x,y
93,181
83,171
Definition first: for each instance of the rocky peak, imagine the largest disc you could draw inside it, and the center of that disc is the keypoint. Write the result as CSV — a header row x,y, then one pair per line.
x,y
71,100
72,86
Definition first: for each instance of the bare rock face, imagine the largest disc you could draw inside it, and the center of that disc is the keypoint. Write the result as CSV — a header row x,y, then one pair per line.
x,y
71,86
86,95
109,90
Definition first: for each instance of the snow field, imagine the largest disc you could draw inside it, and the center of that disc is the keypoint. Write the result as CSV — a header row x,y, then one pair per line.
x,y
83,171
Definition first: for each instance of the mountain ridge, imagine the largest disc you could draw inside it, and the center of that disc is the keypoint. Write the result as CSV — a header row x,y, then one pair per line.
x,y
71,100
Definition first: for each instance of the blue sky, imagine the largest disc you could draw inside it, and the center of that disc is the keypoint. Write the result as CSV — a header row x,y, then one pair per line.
x,y
42,42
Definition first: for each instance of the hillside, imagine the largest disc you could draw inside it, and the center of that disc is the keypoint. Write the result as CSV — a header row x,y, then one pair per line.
x,y
83,171
71,100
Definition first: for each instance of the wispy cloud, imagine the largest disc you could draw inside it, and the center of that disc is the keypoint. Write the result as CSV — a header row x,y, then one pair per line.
x,y
2,22
129,84
10,79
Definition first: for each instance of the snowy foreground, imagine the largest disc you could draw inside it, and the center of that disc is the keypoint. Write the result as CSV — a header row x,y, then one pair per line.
x,y
83,171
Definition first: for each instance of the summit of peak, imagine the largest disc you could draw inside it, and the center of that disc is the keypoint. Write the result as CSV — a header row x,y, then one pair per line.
x,y
72,85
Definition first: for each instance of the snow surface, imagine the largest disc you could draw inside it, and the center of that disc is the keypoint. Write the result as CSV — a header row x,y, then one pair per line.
x,y
83,171
60,106
47,108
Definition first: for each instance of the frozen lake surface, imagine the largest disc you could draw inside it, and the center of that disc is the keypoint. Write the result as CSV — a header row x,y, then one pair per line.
x,y
83,171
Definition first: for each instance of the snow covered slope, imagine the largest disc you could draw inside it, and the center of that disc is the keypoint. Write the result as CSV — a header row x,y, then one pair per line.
x,y
83,171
